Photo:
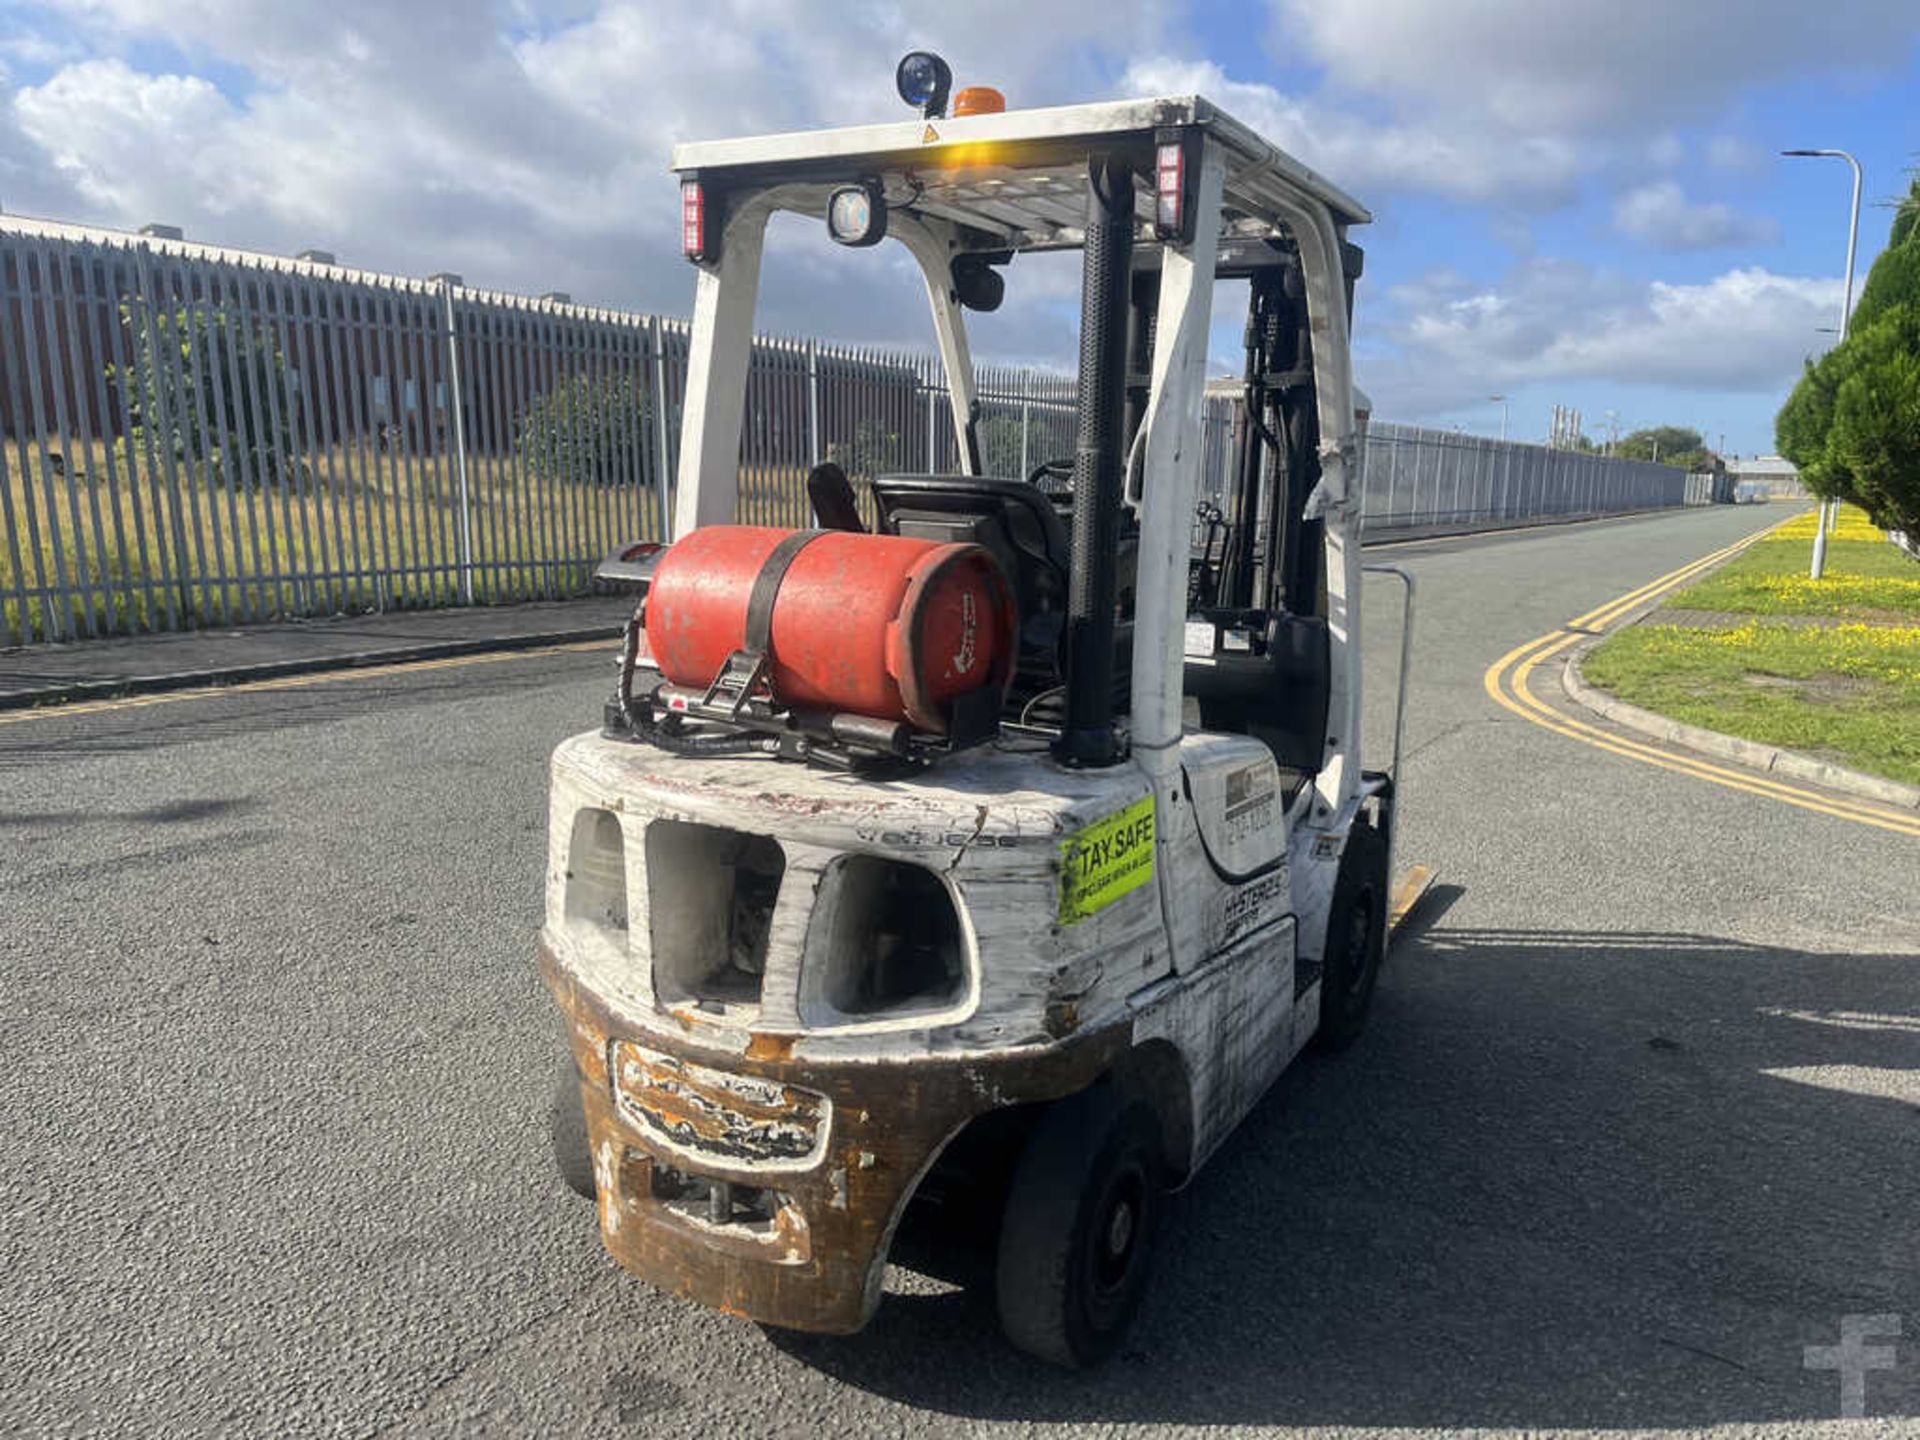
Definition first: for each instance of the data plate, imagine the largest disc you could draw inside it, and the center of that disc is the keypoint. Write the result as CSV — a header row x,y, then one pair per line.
x,y
707,1114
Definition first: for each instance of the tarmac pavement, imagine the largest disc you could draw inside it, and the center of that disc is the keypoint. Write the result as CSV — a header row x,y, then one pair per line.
x,y
1632,1127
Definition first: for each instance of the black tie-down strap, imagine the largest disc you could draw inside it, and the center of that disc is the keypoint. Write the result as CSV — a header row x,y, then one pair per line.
x,y
746,668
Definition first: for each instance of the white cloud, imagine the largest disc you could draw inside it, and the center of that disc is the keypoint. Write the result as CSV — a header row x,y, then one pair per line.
x,y
1730,152
123,139
29,182
1660,215
525,145
1576,65
1746,329
1361,154
423,136
1666,152
27,46
1440,342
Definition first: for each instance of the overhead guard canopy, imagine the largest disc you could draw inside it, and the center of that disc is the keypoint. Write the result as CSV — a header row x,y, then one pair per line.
x,y
1015,180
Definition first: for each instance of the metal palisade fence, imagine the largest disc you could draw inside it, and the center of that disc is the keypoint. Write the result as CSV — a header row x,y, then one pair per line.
x,y
193,436
1417,478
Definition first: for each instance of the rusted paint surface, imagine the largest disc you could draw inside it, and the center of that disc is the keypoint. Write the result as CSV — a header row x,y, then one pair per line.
x,y
1201,963
770,1047
819,1267
589,1046
706,1115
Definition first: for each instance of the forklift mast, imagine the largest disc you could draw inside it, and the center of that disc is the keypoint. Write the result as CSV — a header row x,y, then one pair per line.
x,y
1273,556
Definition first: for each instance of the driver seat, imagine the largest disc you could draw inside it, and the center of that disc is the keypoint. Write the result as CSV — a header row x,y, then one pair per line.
x,y
1019,527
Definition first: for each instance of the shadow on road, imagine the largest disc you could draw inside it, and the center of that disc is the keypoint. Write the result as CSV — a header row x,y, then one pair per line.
x,y
1627,1193
173,812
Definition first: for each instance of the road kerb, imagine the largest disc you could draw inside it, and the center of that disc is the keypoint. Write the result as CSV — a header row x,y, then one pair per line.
x,y
1407,896
1768,759
1506,683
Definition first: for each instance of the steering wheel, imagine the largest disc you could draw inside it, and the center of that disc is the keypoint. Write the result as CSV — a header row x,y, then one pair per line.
x,y
1053,479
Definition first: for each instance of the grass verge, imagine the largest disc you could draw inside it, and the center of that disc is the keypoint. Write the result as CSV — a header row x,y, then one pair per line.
x,y
1845,687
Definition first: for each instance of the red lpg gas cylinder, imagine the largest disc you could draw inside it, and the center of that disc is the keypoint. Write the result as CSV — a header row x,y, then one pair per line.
x,y
877,625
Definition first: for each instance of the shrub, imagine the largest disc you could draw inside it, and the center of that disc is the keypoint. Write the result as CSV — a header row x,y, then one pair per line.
x,y
1852,424
1675,445
872,450
999,437
186,403
1800,430
1894,281
1875,434
588,429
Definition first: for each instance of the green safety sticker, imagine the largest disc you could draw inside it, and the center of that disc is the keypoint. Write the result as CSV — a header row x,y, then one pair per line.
x,y
1108,859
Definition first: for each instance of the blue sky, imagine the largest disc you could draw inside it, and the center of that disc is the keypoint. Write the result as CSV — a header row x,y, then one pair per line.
x,y
1577,203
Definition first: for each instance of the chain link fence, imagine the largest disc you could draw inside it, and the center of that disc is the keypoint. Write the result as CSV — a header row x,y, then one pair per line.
x,y
192,436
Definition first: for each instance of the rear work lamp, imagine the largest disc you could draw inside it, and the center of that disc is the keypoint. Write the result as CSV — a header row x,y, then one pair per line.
x,y
857,214
1170,190
693,221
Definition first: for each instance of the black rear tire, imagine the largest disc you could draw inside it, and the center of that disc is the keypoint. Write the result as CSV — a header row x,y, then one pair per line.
x,y
1356,939
1076,1238
567,1128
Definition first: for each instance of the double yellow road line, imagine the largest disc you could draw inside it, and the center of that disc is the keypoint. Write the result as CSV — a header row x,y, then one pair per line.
x,y
1507,682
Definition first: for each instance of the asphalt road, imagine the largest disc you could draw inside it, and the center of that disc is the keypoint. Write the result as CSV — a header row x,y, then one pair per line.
x,y
1635,1122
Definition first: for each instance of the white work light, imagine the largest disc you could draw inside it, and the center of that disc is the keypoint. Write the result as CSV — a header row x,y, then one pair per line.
x,y
857,214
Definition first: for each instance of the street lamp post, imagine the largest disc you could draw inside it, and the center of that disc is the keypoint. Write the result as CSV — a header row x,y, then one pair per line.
x,y
1503,414
1829,517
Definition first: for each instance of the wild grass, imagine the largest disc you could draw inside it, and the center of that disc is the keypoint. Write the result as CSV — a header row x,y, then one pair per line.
x,y
1865,577
93,545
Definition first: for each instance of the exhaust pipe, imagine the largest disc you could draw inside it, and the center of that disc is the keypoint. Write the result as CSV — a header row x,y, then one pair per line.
x,y
1106,272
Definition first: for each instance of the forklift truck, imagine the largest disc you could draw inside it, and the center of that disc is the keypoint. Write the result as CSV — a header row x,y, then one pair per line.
x,y
1009,847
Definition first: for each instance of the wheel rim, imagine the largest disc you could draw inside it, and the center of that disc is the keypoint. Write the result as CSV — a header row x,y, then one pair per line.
x,y
1359,943
1114,1239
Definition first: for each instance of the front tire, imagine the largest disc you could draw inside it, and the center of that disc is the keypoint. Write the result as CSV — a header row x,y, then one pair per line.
x,y
1356,939
1076,1238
